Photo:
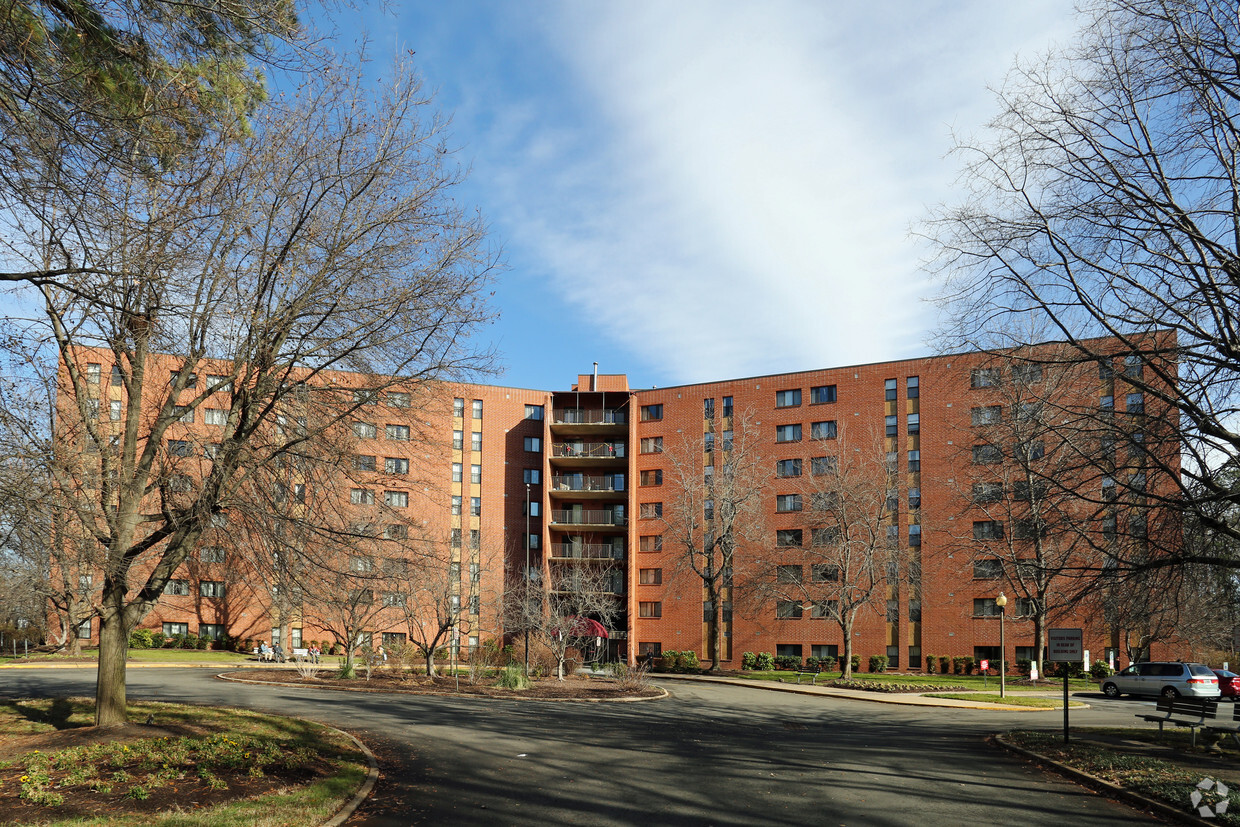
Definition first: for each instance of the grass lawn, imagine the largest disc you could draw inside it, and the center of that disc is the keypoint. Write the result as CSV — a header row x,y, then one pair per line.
x,y
1011,700
972,682
190,765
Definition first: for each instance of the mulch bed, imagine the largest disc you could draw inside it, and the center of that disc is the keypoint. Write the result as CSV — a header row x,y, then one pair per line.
x,y
574,688
187,793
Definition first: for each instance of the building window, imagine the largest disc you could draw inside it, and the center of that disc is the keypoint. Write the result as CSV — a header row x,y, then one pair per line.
x,y
533,444
458,408
399,399
727,406
456,538
533,509
211,588
987,492
1132,366
477,409
475,538
985,607
533,541
114,410
366,397
788,468
650,511
789,574
396,499
361,496
174,629
914,498
652,477
822,394
475,474
458,440
788,609
652,445
984,378
396,465
94,373
914,461
650,542
1027,529
211,631
651,413
456,505
826,536
824,573
914,535
708,443
788,537
823,430
788,502
397,432
1135,403
889,390
365,430
211,554
532,476
363,462
788,398
727,440
650,608
1030,451
788,433
191,381
534,412
987,455
456,471
393,599
475,506
211,416
708,408
180,448
987,568
708,509
179,588
987,415
1026,373
396,531
822,466
913,384
650,577
987,530
914,423
475,441
891,425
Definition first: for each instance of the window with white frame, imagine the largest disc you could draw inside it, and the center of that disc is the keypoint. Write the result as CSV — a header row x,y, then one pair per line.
x,y
396,499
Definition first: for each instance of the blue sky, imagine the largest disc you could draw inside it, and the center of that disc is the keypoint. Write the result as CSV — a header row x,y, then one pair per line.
x,y
693,191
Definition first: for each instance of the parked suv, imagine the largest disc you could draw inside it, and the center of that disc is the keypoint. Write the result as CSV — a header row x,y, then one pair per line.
x,y
1161,678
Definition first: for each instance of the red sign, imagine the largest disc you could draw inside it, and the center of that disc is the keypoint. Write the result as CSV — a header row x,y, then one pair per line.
x,y
985,665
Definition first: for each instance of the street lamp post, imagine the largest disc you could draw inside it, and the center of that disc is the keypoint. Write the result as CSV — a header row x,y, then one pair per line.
x,y
1001,602
525,593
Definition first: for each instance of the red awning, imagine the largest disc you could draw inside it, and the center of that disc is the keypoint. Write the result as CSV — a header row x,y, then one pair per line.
x,y
585,627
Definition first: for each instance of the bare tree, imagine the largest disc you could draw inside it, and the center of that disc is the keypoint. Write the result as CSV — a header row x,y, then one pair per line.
x,y
575,603
715,511
849,557
1099,209
326,242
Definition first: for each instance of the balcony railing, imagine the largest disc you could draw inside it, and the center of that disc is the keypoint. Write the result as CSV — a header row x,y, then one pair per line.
x,y
588,551
592,450
577,416
587,482
572,517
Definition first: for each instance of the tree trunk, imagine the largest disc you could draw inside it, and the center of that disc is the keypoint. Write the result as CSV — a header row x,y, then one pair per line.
x,y
430,661
111,707
846,655
714,627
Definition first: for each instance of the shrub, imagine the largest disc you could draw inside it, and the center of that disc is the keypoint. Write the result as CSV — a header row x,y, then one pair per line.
x,y
512,677
189,642
247,645
158,640
1099,670
878,663
765,662
140,639
827,662
945,665
856,663
787,663
812,661
689,661
932,662
201,642
969,664
957,665
1022,665
670,662
749,661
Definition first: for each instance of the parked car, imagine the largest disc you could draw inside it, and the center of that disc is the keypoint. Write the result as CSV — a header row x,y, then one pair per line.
x,y
1227,683
1170,679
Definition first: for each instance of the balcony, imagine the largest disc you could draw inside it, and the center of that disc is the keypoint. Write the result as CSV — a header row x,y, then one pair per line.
x,y
587,450
577,416
582,517
588,551
588,483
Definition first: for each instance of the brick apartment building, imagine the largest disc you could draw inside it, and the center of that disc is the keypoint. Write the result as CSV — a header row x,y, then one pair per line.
x,y
583,477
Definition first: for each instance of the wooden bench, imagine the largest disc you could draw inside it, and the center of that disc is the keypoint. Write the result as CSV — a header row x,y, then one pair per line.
x,y
813,671
1191,713
1232,727
301,653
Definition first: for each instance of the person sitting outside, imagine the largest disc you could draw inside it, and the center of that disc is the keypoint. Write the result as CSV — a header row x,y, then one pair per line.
x,y
278,653
264,653
315,651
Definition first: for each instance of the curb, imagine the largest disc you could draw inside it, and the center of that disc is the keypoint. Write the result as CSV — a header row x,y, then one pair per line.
x,y
363,792
224,676
1102,785
857,695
